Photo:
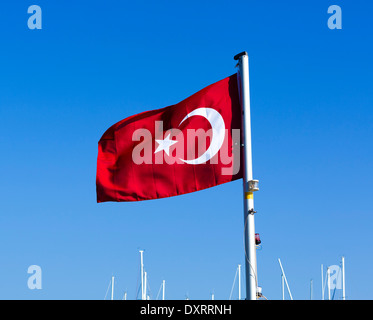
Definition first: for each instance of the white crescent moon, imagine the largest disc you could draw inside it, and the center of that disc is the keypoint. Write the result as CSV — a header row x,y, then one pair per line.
x,y
218,133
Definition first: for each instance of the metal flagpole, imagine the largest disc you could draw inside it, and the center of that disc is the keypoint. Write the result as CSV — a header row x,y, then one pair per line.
x,y
249,185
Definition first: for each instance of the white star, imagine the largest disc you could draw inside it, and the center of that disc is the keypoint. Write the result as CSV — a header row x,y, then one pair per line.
x,y
165,145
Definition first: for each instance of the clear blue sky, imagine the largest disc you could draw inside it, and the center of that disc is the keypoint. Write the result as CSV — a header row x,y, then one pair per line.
x,y
95,63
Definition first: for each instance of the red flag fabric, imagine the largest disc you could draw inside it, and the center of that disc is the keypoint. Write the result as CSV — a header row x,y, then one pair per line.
x,y
186,147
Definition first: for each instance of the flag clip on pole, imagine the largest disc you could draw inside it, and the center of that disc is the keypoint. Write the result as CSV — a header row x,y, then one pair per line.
x,y
249,185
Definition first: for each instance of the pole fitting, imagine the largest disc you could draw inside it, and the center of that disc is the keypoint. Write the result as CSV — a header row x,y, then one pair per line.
x,y
238,56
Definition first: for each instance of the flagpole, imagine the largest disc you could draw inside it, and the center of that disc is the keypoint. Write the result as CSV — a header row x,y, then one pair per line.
x,y
249,185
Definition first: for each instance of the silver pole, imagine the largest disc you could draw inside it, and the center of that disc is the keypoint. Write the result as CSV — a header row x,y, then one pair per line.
x,y
311,289
249,223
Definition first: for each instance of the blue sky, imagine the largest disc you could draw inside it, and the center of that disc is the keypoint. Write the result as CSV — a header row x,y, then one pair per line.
x,y
94,63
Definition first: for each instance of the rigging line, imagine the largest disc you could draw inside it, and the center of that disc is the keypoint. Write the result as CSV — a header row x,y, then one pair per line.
x,y
148,286
137,294
234,282
159,291
137,281
107,289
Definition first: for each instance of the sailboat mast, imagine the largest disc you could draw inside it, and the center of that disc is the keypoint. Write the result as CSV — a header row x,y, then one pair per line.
x,y
343,279
163,289
112,288
142,273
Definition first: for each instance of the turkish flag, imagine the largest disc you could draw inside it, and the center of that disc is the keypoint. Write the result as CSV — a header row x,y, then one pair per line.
x,y
186,147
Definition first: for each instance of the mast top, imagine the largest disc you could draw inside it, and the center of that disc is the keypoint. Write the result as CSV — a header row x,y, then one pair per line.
x,y
238,56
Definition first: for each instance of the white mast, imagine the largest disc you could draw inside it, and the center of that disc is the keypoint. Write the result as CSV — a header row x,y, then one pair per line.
x,y
163,289
239,282
322,282
328,276
343,279
249,185
284,276
142,274
112,288
311,289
